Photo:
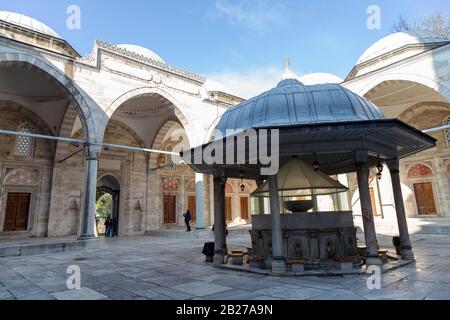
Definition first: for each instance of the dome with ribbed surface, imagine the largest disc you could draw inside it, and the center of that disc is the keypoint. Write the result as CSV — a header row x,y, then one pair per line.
x,y
29,23
292,103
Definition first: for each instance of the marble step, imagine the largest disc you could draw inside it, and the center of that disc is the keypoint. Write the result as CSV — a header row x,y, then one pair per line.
x,y
44,246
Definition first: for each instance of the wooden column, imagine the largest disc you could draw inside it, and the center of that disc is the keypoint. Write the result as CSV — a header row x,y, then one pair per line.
x,y
219,220
278,260
370,235
405,242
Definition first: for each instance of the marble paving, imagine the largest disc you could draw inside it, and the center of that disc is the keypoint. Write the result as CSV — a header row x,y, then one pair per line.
x,y
159,268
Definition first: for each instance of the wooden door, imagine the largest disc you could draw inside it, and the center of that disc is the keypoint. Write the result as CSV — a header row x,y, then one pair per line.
x,y
373,201
192,206
228,214
244,208
425,198
170,209
17,211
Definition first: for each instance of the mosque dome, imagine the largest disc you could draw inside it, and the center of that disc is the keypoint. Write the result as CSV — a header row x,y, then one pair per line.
x,y
141,51
26,22
319,78
399,40
293,103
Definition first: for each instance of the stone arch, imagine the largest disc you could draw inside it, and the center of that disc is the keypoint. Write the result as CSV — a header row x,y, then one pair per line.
x,y
419,170
211,130
40,125
190,186
116,179
21,177
415,110
420,79
229,188
159,140
39,65
180,111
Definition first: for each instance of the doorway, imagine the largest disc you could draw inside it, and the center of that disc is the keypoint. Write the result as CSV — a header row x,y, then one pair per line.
x,y
17,212
244,208
425,198
228,213
373,201
192,206
170,203
108,203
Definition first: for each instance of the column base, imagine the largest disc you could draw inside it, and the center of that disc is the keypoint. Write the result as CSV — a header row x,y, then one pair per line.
x,y
278,266
86,237
219,259
407,254
373,261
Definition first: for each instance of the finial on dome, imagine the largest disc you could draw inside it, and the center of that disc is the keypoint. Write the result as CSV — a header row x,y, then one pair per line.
x,y
288,73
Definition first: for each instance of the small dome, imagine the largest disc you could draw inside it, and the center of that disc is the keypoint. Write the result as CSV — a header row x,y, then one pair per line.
x,y
142,51
320,78
398,40
24,21
293,103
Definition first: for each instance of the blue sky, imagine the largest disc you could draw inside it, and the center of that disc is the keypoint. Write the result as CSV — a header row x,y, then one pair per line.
x,y
241,43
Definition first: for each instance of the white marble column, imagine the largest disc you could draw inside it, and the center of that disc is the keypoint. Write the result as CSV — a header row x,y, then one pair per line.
x,y
200,201
405,242
370,235
219,220
278,259
92,154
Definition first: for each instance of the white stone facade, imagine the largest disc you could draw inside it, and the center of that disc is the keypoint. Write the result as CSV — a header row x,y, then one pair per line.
x,y
130,96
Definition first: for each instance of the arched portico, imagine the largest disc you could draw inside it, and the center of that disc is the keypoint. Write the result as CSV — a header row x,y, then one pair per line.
x,y
39,65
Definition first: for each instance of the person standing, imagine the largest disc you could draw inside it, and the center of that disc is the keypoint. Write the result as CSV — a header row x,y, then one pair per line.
x,y
187,219
112,223
107,227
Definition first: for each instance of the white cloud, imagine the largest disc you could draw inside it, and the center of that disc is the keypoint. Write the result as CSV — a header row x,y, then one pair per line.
x,y
257,15
246,84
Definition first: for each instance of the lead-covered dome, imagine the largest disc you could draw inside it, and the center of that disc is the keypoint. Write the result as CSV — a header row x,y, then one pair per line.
x,y
26,22
142,51
399,40
292,103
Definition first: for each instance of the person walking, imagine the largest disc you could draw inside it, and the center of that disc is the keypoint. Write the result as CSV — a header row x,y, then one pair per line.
x,y
187,219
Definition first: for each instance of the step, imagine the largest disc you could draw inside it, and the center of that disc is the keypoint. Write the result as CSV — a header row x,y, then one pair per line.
x,y
11,249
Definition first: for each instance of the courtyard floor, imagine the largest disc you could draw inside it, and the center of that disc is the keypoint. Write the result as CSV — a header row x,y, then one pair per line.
x,y
169,268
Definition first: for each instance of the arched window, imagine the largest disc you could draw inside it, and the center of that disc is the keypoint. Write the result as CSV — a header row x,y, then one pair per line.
x,y
447,131
25,145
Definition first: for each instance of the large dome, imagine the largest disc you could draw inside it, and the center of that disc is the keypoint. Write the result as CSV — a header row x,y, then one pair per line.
x,y
398,40
142,51
28,23
293,103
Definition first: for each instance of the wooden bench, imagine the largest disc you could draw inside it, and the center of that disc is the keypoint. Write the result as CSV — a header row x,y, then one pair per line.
x,y
237,257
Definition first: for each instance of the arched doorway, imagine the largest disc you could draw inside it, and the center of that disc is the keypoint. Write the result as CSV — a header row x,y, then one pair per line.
x,y
108,203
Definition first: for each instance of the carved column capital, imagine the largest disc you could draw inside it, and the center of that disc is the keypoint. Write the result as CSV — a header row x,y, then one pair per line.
x,y
92,152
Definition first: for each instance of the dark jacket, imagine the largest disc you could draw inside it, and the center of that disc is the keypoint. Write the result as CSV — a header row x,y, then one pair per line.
x,y
187,216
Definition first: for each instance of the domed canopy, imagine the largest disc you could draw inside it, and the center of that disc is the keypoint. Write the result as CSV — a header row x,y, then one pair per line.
x,y
292,103
399,40
142,51
24,21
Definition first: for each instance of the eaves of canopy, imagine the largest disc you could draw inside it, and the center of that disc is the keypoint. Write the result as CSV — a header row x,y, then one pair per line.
x,y
332,145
